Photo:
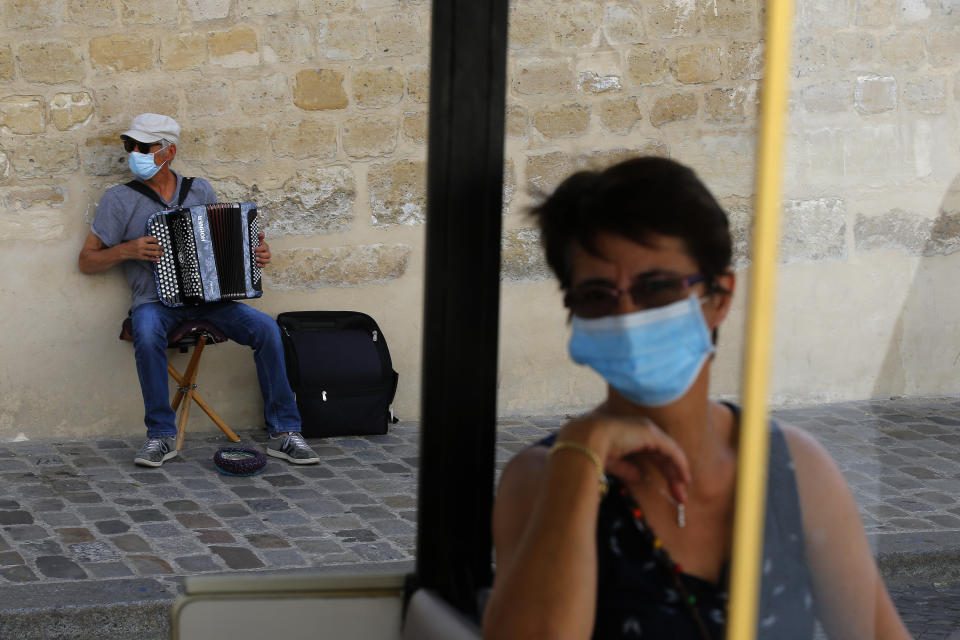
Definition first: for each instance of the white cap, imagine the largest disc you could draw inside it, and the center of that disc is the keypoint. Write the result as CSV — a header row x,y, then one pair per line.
x,y
151,127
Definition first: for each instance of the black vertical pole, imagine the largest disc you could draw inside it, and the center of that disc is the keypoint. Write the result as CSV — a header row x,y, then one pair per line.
x,y
462,297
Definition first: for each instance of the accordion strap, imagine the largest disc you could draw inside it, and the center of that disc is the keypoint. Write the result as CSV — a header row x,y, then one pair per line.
x,y
143,189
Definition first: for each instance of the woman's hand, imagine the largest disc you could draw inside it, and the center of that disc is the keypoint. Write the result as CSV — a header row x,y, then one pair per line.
x,y
628,446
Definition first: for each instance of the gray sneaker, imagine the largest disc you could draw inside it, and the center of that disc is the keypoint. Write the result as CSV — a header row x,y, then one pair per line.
x,y
293,448
155,451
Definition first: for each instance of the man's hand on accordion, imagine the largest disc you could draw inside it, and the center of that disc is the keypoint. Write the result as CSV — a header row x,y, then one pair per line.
x,y
145,248
262,251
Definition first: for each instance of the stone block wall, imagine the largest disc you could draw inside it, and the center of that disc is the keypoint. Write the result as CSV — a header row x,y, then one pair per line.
x,y
317,111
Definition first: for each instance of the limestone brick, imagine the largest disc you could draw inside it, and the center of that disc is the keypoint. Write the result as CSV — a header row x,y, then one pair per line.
x,y
950,7
744,60
875,94
875,13
376,88
698,63
926,94
397,193
234,48
400,35
29,14
873,152
345,38
4,167
956,87
287,43
369,136
810,56
672,108
110,104
315,201
207,97
320,7
527,27
418,84
33,214
544,172
522,257
646,65
562,120
22,114
373,5
591,82
728,17
120,52
148,11
915,10
853,50
243,143
517,120
183,51
619,115
6,63
903,48
44,157
319,90
942,47
305,139
253,8
728,106
50,62
161,98
574,24
414,126
822,14
103,155
350,266
91,13
536,76
827,97
894,229
813,230
71,110
671,18
509,185
263,96
622,25
202,10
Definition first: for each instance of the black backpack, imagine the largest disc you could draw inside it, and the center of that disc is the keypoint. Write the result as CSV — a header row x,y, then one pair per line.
x,y
339,368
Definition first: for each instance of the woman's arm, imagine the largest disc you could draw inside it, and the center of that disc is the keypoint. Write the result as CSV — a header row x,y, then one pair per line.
x,y
850,593
545,522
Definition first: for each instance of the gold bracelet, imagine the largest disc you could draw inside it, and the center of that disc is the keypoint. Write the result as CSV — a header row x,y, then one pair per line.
x,y
576,446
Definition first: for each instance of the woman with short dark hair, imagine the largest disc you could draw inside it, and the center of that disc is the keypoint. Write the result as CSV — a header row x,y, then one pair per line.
x,y
620,525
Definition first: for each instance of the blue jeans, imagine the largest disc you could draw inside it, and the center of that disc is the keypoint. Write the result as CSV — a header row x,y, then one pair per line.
x,y
245,325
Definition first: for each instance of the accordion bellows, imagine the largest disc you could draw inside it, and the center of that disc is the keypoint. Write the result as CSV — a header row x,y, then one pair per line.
x,y
207,253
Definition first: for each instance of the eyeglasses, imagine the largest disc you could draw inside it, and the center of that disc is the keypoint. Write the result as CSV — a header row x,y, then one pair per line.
x,y
129,144
596,299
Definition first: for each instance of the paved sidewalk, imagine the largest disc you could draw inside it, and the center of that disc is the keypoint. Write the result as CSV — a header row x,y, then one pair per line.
x,y
80,524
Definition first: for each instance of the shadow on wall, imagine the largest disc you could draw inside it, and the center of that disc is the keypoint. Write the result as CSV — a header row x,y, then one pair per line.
x,y
925,336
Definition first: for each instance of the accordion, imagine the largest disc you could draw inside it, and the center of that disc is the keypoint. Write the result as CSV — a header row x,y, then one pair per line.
x,y
207,253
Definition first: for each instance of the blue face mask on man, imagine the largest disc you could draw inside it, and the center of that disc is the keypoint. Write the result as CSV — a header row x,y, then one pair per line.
x,y
143,165
651,357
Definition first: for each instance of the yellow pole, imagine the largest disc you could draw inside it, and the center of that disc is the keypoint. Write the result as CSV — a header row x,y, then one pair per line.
x,y
754,440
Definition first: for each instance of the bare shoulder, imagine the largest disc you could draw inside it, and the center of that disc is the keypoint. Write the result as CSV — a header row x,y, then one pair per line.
x,y
521,477
823,490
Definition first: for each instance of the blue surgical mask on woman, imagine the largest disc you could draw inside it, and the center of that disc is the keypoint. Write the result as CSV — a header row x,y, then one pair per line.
x,y
142,165
651,357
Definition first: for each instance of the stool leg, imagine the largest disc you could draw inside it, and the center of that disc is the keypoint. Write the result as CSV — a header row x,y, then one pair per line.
x,y
217,420
189,379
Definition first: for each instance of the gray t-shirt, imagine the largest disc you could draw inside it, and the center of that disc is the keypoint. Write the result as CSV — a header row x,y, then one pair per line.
x,y
122,216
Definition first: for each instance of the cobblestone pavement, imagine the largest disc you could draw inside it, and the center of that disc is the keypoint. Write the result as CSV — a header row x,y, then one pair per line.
x,y
74,511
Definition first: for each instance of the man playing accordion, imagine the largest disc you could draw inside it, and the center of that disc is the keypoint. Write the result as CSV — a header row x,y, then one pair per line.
x,y
117,237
